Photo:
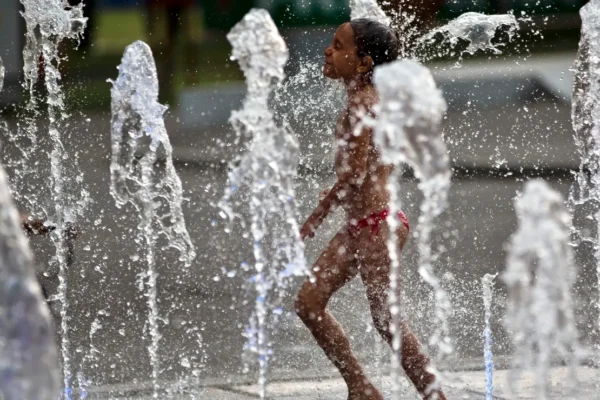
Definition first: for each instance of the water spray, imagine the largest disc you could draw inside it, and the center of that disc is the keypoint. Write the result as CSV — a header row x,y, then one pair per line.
x,y
268,169
143,174
48,24
407,131
487,283
539,274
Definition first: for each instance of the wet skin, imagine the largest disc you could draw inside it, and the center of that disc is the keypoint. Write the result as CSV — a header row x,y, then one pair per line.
x,y
360,190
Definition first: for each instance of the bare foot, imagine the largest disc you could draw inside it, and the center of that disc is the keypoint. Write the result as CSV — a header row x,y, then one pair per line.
x,y
364,392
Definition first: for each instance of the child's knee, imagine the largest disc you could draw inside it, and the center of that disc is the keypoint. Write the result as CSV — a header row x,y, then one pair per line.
x,y
309,304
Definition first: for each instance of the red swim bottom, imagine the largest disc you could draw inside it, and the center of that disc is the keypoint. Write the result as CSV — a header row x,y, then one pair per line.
x,y
373,222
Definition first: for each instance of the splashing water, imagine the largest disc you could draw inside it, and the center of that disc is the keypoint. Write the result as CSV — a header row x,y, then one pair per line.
x,y
539,276
268,168
307,101
487,283
407,130
2,72
585,111
477,29
401,21
3,124
30,367
48,24
142,172
368,9
584,195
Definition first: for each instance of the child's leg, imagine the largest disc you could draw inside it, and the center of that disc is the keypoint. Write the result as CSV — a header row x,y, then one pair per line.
x,y
415,364
335,267
375,275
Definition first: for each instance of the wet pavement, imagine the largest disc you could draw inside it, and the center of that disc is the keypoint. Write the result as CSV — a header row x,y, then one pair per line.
x,y
464,385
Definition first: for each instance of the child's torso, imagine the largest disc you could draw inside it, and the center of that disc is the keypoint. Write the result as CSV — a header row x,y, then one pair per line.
x,y
371,195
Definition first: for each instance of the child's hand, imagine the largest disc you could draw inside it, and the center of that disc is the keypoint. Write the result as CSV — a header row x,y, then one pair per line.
x,y
35,226
308,229
324,194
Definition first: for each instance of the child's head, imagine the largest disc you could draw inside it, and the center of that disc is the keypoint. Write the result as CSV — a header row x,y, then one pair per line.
x,y
358,47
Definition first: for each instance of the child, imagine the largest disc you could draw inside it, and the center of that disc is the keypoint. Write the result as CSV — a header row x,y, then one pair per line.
x,y
360,247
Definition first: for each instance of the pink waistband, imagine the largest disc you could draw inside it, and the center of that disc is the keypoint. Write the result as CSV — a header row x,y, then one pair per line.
x,y
373,221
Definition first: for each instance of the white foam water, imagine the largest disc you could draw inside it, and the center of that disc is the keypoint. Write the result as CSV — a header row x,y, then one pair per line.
x,y
48,23
585,112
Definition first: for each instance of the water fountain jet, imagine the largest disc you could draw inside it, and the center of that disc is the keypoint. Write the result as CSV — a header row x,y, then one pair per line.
x,y
48,24
407,131
143,174
487,283
268,169
539,275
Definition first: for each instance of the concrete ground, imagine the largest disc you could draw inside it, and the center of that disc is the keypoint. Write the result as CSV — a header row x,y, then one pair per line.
x,y
459,385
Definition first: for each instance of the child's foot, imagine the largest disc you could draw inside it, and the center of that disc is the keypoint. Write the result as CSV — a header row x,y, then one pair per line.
x,y
364,392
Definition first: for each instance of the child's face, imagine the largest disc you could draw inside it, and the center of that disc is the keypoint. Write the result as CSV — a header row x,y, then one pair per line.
x,y
341,60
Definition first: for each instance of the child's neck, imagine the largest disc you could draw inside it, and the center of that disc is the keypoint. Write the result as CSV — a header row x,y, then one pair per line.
x,y
357,85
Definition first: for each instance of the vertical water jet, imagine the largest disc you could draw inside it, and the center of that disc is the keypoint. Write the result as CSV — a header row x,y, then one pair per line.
x,y
487,283
407,131
584,196
268,170
539,275
48,24
143,174
585,112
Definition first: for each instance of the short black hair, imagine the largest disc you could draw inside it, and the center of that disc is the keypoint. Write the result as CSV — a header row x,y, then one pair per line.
x,y
374,39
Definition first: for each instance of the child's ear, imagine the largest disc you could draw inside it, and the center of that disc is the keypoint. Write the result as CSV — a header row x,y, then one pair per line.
x,y
365,65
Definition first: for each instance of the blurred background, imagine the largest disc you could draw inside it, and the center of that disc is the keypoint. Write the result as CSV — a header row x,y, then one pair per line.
x,y
189,35
508,121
